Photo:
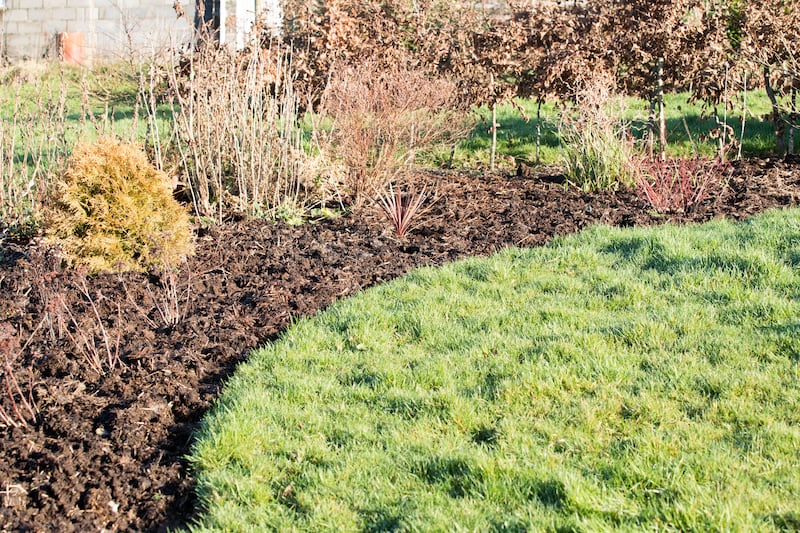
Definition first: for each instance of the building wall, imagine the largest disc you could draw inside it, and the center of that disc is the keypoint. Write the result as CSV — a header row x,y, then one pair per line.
x,y
111,29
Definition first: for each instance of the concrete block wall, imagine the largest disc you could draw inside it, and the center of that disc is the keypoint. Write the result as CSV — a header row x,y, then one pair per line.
x,y
112,29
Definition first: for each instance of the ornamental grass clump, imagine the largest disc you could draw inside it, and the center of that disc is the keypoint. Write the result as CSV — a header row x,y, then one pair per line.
x,y
596,151
111,210
401,208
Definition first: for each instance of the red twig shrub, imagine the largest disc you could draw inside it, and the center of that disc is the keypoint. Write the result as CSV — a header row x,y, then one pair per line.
x,y
676,185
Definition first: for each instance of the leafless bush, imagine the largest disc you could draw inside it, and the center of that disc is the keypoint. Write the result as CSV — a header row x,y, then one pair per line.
x,y
89,336
238,131
32,146
383,115
169,299
677,185
86,331
21,410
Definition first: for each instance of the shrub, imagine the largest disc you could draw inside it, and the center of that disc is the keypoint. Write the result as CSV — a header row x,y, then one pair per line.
x,y
383,115
596,151
676,185
240,132
19,408
112,210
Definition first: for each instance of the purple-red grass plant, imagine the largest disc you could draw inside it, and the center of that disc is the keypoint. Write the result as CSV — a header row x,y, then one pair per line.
x,y
401,208
677,185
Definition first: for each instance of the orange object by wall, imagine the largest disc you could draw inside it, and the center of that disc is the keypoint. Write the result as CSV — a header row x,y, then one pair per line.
x,y
71,47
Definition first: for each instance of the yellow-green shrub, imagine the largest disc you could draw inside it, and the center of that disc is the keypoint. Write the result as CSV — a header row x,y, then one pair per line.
x,y
112,210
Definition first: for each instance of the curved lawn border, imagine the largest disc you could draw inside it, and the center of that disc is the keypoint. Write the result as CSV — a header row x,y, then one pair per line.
x,y
618,379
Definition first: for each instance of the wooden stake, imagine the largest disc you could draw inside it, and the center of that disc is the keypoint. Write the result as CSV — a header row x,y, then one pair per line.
x,y
538,129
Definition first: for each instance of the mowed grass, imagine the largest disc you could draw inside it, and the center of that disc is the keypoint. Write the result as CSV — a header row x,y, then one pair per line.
x,y
615,380
516,137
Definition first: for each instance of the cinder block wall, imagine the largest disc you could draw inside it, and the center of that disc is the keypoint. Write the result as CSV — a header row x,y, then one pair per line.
x,y
112,29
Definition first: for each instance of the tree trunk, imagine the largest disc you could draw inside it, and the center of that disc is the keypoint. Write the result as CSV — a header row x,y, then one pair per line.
x,y
793,121
273,15
744,116
494,137
662,122
494,125
538,130
651,119
777,121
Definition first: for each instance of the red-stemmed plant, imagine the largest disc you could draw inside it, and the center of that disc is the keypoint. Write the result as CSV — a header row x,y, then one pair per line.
x,y
22,409
401,208
677,185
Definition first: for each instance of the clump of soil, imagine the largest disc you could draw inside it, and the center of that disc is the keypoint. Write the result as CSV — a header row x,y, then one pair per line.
x,y
106,449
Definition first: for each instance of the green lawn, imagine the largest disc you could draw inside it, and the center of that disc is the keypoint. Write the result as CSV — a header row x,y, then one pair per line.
x,y
45,109
614,380
516,137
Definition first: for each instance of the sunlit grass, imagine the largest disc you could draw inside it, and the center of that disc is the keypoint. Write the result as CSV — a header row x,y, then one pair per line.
x,y
618,379
45,110
516,137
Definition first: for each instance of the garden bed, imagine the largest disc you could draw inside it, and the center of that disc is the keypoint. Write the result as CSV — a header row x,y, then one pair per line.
x,y
106,451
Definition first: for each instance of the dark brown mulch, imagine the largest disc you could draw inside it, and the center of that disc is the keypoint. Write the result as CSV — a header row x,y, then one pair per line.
x,y
106,450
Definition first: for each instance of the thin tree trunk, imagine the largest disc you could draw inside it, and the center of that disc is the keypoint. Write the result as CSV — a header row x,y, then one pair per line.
x,y
744,116
662,122
538,130
777,123
494,137
723,139
494,127
652,122
793,121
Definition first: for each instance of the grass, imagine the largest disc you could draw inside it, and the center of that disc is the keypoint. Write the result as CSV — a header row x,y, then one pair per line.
x,y
107,90
615,380
45,110
516,138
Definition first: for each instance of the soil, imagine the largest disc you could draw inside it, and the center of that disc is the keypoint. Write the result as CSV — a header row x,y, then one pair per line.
x,y
106,449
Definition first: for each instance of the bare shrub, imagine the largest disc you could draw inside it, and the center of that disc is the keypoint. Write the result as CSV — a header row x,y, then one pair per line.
x,y
32,145
169,299
89,336
677,185
383,115
239,135
18,409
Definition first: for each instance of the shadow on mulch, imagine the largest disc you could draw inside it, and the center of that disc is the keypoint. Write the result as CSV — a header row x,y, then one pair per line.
x,y
106,451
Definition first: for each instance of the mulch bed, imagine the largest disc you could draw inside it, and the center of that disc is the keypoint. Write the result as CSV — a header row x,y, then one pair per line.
x,y
106,451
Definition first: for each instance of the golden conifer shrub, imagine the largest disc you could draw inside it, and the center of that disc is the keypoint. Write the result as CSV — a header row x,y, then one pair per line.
x,y
111,210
